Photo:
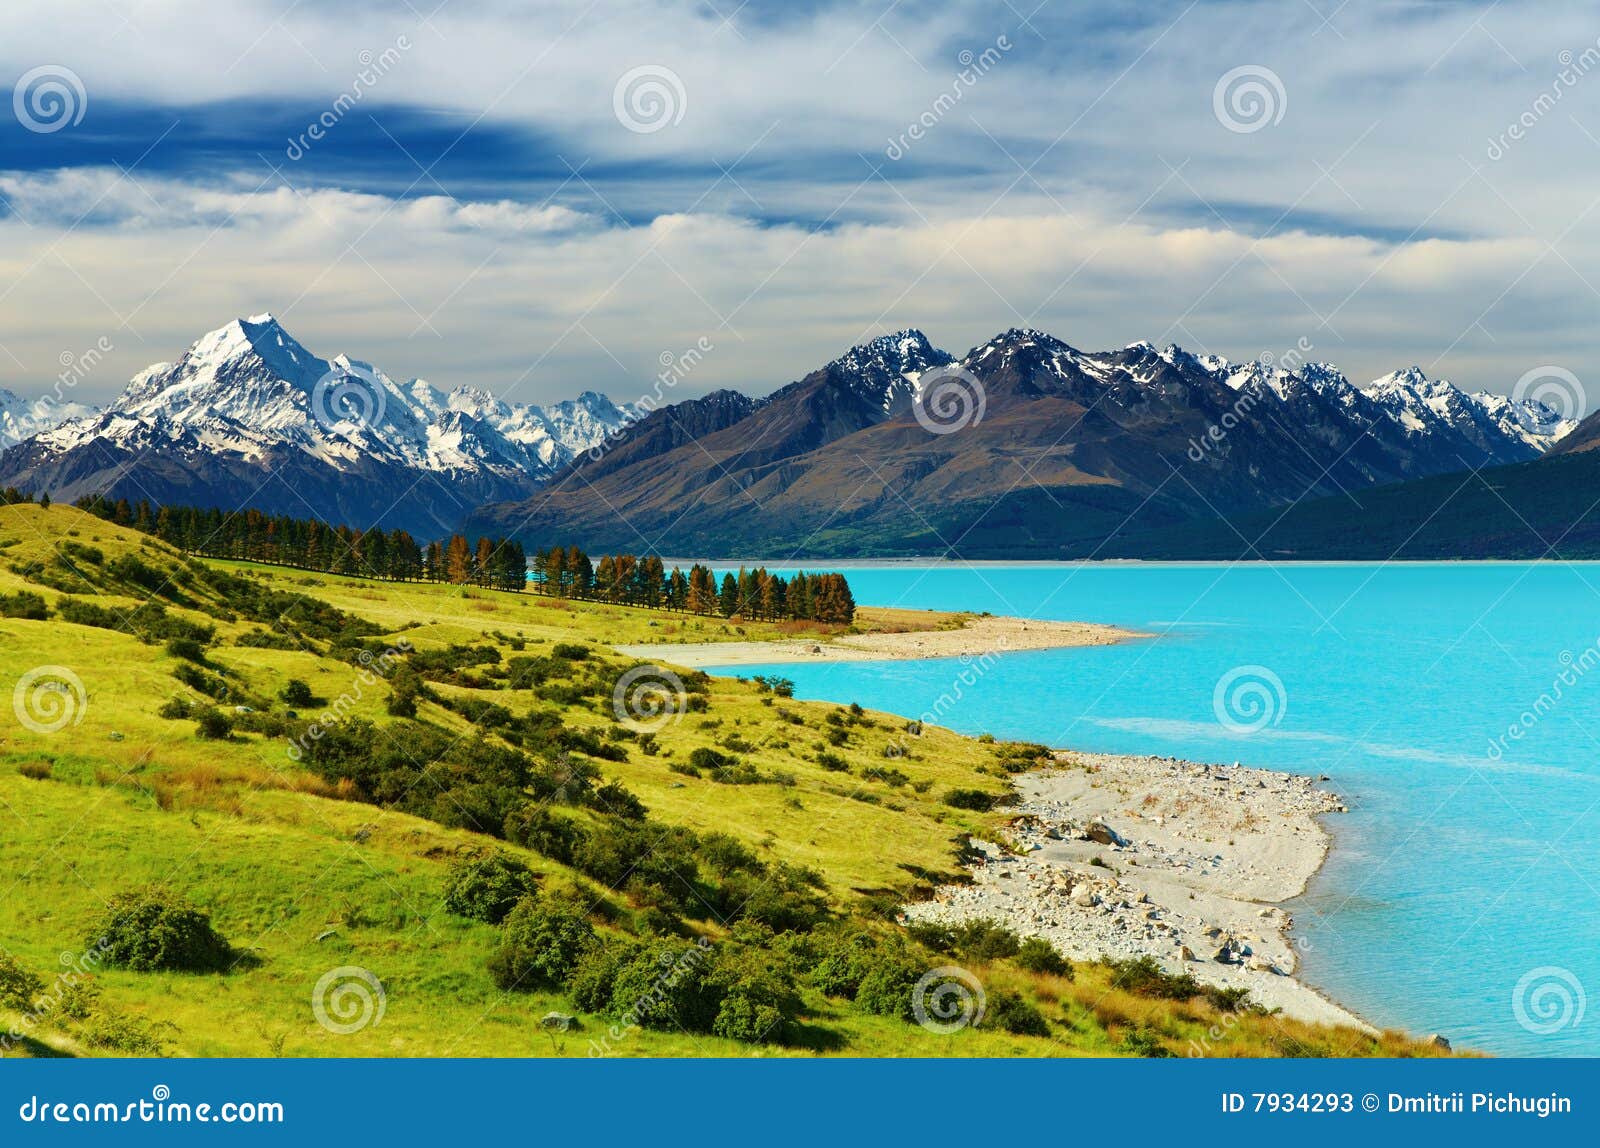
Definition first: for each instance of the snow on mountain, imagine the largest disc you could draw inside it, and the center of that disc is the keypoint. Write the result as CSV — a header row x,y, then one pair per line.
x,y
884,371
250,389
1432,406
23,418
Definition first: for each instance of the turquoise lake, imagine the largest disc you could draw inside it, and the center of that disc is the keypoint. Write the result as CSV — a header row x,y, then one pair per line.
x,y
1463,892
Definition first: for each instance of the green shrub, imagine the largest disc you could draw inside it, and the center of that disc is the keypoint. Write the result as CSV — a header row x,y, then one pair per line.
x,y
666,985
570,651
760,1002
127,1034
486,886
176,706
974,799
1144,976
186,648
540,944
36,770
1014,1013
887,987
19,988
150,932
1038,955
24,604
211,724
298,693
709,759
596,971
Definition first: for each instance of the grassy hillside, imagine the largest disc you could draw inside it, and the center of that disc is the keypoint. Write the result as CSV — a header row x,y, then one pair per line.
x,y
784,844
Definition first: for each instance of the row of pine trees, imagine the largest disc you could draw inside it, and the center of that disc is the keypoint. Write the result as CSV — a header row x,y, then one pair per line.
x,y
631,580
501,564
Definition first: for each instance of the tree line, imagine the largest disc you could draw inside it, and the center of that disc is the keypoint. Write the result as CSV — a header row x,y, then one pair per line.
x,y
497,563
634,580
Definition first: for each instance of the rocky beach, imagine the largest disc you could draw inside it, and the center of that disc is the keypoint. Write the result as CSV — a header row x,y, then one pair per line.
x,y
1189,863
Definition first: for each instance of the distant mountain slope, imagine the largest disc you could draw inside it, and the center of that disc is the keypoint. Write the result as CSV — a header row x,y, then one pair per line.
x,y
1072,449
1549,508
249,417
23,418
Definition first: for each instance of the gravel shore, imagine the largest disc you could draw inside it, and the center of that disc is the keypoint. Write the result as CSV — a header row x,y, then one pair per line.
x,y
1126,856
978,636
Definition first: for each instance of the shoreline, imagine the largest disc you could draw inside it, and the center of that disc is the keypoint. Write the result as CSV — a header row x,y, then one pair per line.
x,y
978,636
1126,855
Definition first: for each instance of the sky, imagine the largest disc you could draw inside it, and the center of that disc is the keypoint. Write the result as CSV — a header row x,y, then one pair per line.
x,y
541,199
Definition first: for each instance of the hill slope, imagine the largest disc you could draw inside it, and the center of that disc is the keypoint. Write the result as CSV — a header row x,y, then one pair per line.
x,y
313,865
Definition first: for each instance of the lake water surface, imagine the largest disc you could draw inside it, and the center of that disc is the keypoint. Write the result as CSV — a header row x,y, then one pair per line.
x,y
1463,892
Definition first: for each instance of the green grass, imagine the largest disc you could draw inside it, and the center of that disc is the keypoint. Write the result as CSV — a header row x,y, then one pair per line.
x,y
305,882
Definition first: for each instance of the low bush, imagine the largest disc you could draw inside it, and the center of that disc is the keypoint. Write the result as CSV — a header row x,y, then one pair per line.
x,y
1015,1014
540,945
974,799
148,931
24,604
1038,955
19,987
486,886
298,693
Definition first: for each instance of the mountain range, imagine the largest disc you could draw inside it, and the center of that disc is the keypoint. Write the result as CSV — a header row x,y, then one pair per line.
x,y
247,416
1023,447
1060,452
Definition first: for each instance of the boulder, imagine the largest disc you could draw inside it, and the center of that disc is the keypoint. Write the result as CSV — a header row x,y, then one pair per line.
x,y
1186,953
1437,1041
558,1021
1102,834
